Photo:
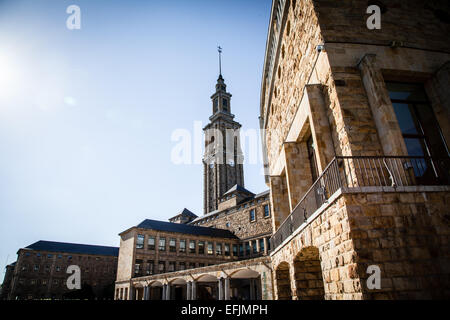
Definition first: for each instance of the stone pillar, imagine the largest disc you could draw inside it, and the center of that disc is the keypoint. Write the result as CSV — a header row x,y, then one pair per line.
x,y
220,289
164,292
194,290
265,246
168,292
227,289
320,127
279,200
188,290
388,129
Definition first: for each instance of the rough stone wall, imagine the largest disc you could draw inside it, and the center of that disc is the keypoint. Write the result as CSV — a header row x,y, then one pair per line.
x,y
407,235
239,221
415,23
296,60
126,256
330,234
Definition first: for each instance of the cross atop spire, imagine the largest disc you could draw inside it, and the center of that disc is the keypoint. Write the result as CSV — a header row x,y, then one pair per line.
x,y
219,49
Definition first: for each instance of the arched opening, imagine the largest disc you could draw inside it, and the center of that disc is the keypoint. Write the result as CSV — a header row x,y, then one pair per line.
x,y
283,282
308,275
155,290
178,289
207,288
245,284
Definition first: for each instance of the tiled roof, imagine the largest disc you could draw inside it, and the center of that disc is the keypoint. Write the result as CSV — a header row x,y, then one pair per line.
x,y
185,228
185,212
73,248
239,188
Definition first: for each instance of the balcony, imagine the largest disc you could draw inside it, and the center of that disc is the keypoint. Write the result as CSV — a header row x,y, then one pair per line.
x,y
363,174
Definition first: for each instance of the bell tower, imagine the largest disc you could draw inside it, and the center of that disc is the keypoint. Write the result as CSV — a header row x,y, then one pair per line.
x,y
223,158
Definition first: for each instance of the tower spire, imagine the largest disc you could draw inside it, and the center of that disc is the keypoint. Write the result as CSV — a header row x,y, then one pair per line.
x,y
219,49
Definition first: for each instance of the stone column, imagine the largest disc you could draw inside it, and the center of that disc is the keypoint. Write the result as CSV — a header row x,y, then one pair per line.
x,y
279,200
320,127
227,289
194,290
188,290
388,129
220,289
168,292
164,292
265,246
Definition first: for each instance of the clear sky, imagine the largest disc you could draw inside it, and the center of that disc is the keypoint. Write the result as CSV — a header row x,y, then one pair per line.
x,y
87,116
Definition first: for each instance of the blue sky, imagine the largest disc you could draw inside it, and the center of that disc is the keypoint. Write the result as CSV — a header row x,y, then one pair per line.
x,y
86,116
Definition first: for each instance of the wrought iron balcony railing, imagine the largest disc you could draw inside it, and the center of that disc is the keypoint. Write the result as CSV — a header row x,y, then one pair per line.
x,y
351,173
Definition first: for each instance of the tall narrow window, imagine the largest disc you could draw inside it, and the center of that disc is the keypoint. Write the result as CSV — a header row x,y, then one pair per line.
x,y
173,245
218,249
183,246
151,243
261,245
227,249
192,246
210,248
235,250
162,244
421,132
140,241
312,158
201,247
266,211
252,215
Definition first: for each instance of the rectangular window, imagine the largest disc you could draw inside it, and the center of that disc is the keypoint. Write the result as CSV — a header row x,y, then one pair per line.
x,y
140,241
162,244
171,266
161,267
201,247
266,211
36,267
235,250
201,265
227,249
255,249
150,265
172,245
210,248
192,246
261,245
183,246
268,243
218,249
241,250
182,266
151,243
137,267
252,215
420,130
247,248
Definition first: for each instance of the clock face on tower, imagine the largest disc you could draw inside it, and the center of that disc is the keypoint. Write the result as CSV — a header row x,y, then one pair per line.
x,y
231,162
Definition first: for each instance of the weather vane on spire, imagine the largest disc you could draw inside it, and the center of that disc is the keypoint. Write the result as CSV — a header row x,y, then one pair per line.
x,y
219,49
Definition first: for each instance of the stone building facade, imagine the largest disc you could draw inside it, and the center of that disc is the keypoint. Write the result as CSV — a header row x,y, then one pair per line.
x,y
236,227
40,271
7,280
356,131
